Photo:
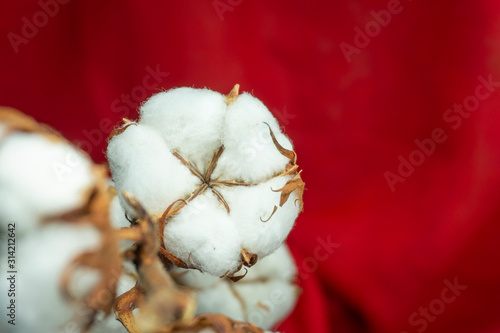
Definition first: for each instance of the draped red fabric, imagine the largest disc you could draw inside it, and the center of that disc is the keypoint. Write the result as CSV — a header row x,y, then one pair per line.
x,y
393,108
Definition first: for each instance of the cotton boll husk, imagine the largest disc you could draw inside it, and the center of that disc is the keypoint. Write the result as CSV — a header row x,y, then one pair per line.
x,y
40,177
42,256
250,154
202,234
253,204
190,120
141,163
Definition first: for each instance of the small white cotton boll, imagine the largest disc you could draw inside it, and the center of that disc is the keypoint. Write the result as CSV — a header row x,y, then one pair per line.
x,y
251,205
190,120
41,258
264,297
268,303
250,154
46,178
202,234
141,163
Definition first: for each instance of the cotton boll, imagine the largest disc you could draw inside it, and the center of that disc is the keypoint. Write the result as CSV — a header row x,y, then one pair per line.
x,y
190,120
141,163
250,154
202,234
264,297
41,258
193,123
254,204
41,178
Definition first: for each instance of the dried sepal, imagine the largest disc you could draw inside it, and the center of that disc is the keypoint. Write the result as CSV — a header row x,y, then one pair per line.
x,y
233,94
213,163
234,278
290,154
274,211
172,258
119,130
296,183
125,304
249,259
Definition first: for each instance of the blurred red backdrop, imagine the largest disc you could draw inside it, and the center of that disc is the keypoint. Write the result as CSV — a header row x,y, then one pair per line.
x,y
355,84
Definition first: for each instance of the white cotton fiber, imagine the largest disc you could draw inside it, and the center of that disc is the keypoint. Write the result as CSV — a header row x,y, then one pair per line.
x,y
41,178
220,299
264,297
204,230
164,157
252,205
190,120
250,154
141,163
194,278
41,258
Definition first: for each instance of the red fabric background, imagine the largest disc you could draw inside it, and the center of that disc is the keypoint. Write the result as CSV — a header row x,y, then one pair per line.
x,y
349,123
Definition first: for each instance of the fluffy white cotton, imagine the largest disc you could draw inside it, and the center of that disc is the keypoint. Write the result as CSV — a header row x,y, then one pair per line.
x,y
264,297
141,163
203,235
190,120
194,123
41,258
252,205
250,154
40,178
194,278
